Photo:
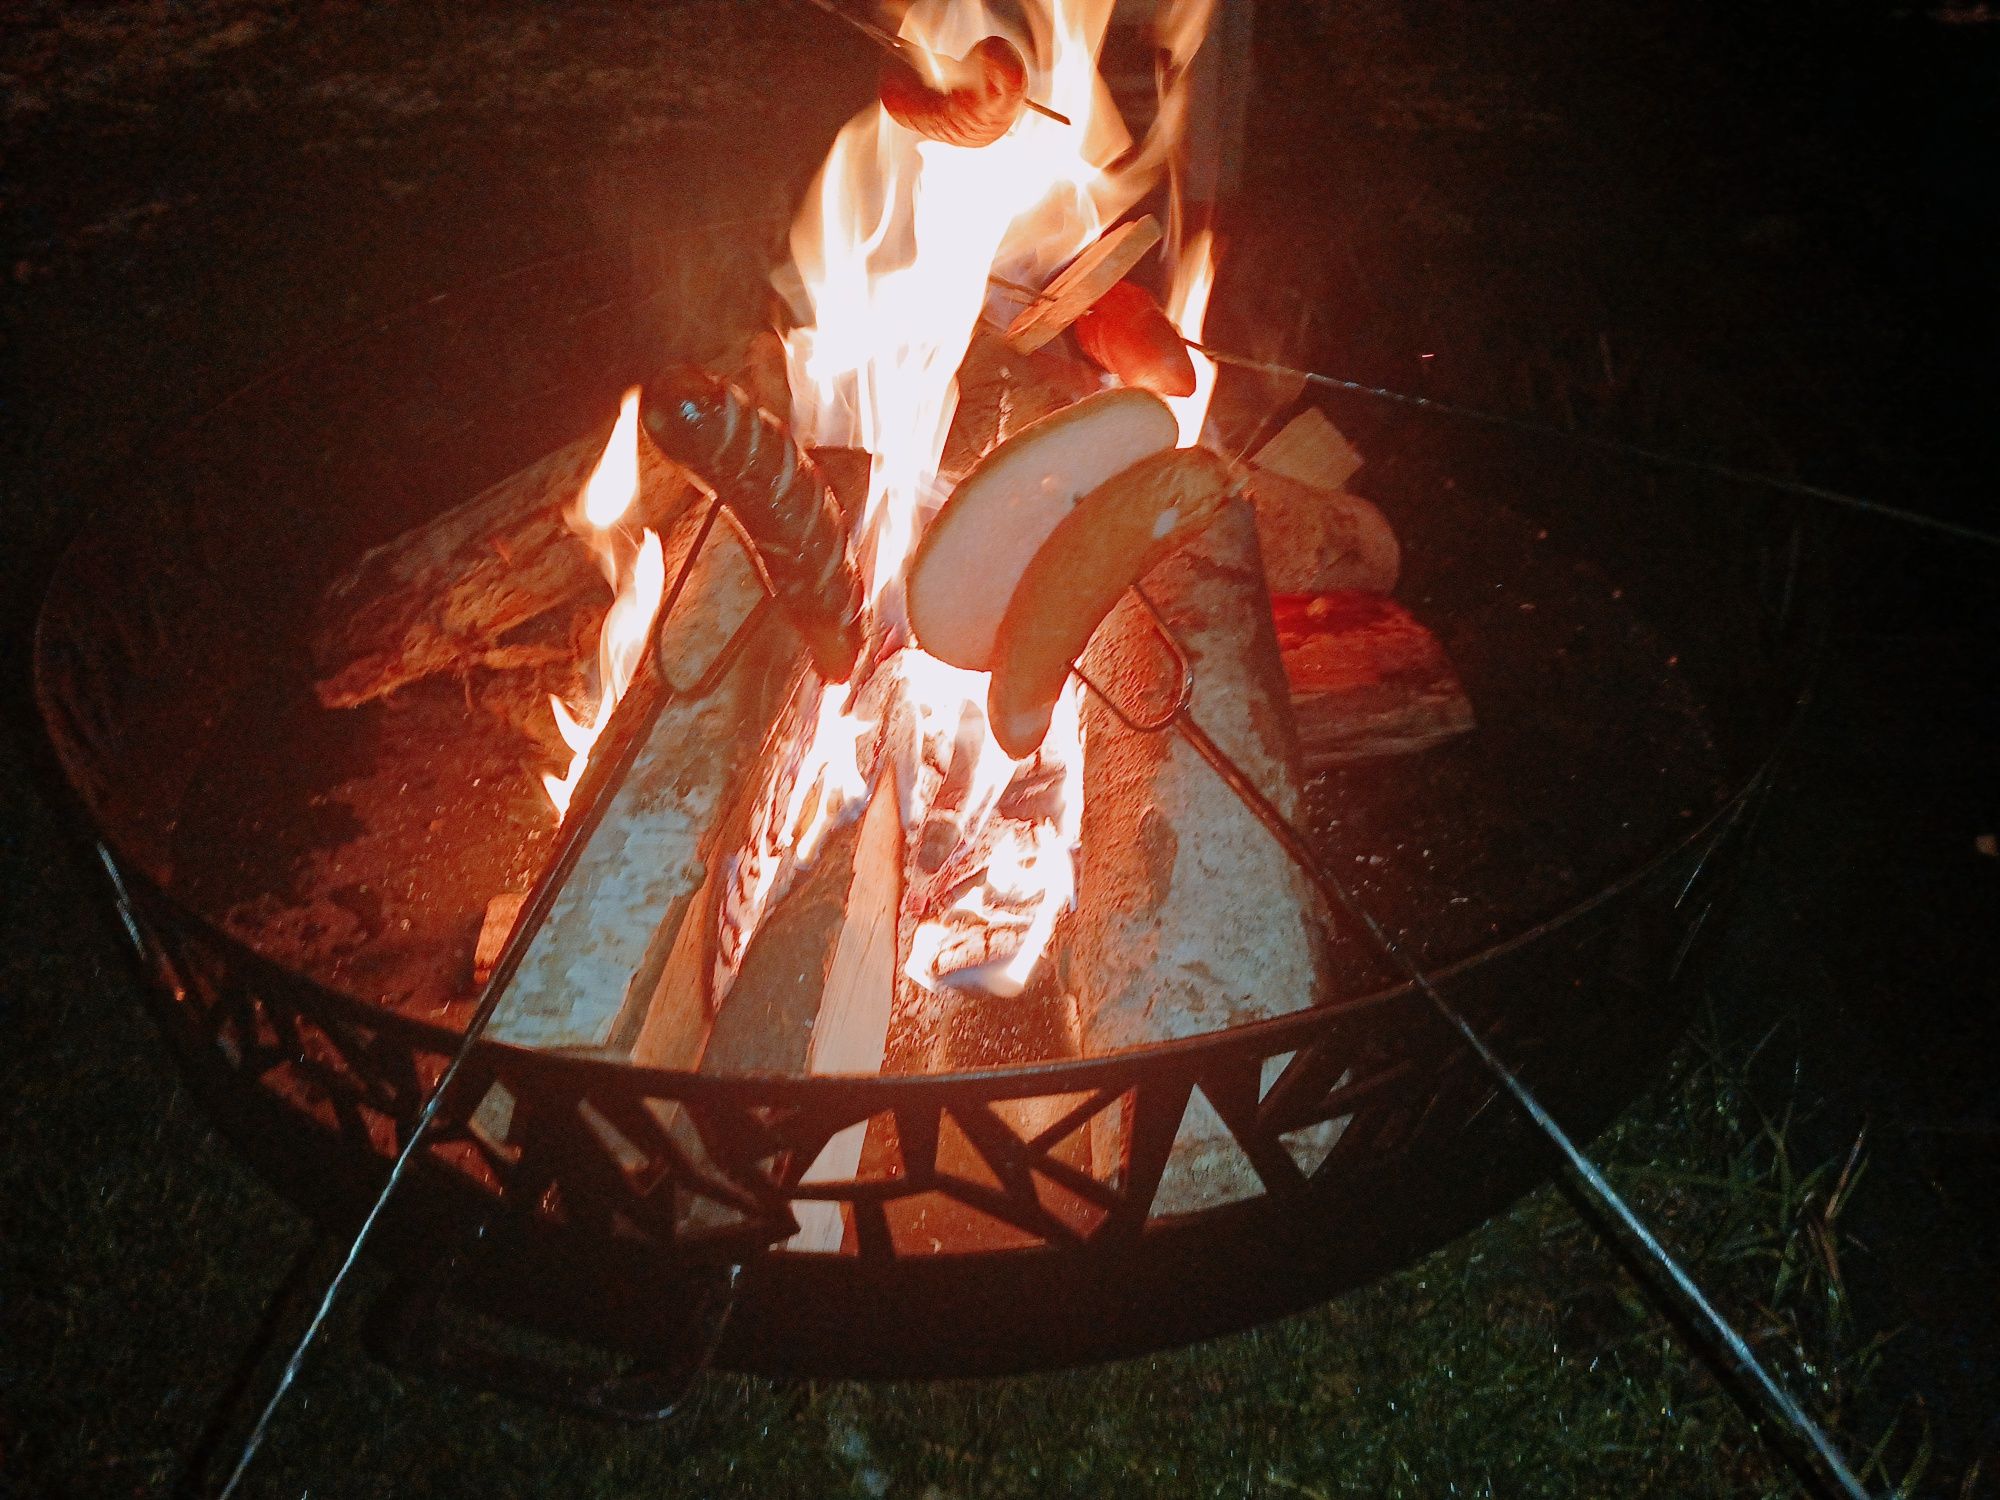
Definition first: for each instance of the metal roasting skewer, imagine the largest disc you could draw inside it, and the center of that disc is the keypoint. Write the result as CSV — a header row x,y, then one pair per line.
x,y
1530,427
1818,1464
897,46
651,690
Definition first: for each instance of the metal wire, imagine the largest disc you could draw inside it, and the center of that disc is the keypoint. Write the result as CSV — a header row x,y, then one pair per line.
x,y
1821,1468
634,714
1530,427
1614,446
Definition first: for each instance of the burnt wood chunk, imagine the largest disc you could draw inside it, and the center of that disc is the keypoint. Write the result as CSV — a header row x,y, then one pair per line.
x,y
1366,678
1189,916
461,590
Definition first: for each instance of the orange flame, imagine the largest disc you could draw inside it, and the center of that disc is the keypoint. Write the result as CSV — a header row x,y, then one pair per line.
x,y
638,578
892,252
1187,310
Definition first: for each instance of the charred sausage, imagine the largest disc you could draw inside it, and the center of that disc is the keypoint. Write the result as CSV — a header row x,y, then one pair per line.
x,y
779,498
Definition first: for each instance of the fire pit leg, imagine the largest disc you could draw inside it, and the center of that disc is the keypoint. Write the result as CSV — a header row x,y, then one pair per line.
x,y
1706,1333
418,1327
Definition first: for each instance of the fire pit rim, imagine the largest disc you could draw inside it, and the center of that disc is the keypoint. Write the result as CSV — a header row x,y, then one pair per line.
x,y
1083,1071
841,1278
181,435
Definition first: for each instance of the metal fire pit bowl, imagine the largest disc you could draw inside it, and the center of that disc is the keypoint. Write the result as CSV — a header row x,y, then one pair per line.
x,y
188,590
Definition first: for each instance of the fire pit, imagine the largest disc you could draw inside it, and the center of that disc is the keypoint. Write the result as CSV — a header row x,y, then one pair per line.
x,y
1554,870
306,844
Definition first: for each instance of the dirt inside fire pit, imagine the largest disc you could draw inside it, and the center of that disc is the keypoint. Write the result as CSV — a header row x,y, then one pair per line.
x,y
360,847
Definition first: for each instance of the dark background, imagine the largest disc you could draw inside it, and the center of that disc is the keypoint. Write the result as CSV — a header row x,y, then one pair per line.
x,y
1762,233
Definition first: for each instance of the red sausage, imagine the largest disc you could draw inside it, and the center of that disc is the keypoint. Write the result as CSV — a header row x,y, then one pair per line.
x,y
982,95
1126,332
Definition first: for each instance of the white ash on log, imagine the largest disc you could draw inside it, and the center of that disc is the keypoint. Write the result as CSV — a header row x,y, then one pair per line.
x,y
460,590
1189,917
593,967
1366,679
1318,538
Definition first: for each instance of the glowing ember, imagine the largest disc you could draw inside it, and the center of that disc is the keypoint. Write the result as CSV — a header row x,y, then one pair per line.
x,y
893,250
637,574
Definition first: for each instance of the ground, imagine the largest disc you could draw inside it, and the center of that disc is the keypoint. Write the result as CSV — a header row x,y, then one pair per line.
x,y
1760,233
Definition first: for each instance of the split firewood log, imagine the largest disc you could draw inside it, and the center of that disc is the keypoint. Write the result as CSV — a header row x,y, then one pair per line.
x,y
977,546
1001,391
464,589
1318,538
592,970
1189,917
814,993
1366,678
1101,266
623,961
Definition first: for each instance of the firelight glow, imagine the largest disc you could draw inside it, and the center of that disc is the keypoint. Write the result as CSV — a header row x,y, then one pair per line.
x,y
637,575
1187,310
893,249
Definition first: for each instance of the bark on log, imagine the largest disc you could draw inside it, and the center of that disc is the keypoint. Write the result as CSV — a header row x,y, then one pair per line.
x,y
594,966
1189,916
451,593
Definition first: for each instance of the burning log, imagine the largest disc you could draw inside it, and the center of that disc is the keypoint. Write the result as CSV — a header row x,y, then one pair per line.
x,y
1366,678
464,589
593,967
1101,266
1189,917
816,980
1316,537
816,986
1001,391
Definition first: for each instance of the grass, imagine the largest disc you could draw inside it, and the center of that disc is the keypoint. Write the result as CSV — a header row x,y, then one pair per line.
x,y
1516,1362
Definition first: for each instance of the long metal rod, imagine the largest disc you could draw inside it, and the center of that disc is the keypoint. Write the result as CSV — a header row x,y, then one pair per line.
x,y
1530,427
1614,446
635,714
1821,1467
